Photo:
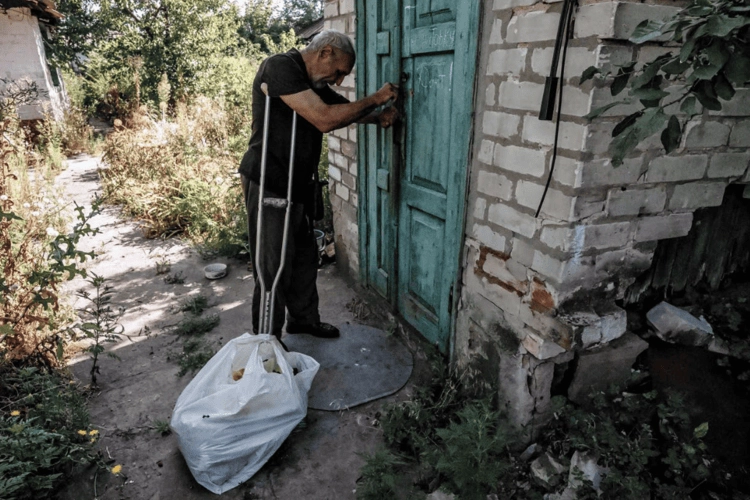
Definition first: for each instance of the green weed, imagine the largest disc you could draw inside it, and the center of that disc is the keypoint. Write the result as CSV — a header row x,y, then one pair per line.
x,y
174,278
457,439
179,177
381,476
101,322
44,433
192,325
194,305
161,427
195,354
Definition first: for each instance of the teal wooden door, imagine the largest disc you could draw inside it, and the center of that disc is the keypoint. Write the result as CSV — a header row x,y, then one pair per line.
x,y
416,173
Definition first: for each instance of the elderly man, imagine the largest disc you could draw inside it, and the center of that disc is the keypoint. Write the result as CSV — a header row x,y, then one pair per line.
x,y
299,81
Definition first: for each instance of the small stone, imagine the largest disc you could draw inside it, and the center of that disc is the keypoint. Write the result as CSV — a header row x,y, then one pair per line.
x,y
587,465
719,346
330,250
439,495
529,452
674,325
546,470
567,494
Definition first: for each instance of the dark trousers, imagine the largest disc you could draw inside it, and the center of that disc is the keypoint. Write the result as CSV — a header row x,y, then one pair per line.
x,y
296,292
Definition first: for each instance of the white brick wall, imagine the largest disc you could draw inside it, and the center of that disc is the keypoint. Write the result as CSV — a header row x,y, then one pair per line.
x,y
499,124
629,202
510,218
697,195
534,26
707,135
507,61
677,168
489,237
663,227
495,185
728,164
521,160
526,96
22,58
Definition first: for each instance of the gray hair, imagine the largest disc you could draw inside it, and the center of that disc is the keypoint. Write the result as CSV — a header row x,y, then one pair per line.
x,y
333,38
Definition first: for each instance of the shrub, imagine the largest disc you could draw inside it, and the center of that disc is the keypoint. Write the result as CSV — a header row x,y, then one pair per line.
x,y
180,177
457,439
648,444
44,432
38,255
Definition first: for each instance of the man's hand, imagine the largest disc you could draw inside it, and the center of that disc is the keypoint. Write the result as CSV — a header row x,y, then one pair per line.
x,y
386,93
388,116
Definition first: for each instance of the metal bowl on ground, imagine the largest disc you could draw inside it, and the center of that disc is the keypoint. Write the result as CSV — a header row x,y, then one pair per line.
x,y
215,271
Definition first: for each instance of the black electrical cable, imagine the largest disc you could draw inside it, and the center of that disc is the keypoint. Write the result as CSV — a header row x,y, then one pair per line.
x,y
552,81
568,22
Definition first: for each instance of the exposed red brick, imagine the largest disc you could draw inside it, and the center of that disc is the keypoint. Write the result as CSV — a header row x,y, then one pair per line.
x,y
541,300
479,271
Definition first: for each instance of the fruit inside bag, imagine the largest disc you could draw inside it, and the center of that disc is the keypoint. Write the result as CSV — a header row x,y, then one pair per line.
x,y
267,355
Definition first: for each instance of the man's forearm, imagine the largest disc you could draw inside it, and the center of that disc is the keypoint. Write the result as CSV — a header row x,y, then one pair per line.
x,y
328,117
342,115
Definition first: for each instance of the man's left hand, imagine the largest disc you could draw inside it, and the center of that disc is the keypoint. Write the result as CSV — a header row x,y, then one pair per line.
x,y
388,117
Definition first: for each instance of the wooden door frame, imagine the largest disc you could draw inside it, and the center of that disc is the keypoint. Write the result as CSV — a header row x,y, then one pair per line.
x,y
475,18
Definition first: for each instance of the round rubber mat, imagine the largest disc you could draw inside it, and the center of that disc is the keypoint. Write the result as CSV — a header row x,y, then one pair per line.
x,y
362,365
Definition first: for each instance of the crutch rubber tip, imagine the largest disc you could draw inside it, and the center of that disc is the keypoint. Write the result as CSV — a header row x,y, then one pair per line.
x,y
264,87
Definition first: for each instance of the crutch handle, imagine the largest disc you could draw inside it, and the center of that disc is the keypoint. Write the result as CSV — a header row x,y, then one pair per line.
x,y
264,87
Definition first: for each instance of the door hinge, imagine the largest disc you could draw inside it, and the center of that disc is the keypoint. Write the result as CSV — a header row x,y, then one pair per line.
x,y
450,299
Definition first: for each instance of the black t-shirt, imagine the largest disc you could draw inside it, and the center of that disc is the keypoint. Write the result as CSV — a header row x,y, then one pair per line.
x,y
285,74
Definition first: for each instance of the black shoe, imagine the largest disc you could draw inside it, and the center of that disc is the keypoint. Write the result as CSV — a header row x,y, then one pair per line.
x,y
321,330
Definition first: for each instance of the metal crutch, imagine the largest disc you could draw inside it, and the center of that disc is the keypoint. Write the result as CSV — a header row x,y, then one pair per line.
x,y
268,298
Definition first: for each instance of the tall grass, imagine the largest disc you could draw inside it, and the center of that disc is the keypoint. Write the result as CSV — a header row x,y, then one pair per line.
x,y
37,247
179,177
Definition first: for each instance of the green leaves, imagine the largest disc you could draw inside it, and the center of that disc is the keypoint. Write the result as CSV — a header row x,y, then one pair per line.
x,y
589,73
603,109
722,25
670,136
738,73
632,130
8,215
714,58
705,93
646,31
689,106
701,431
622,78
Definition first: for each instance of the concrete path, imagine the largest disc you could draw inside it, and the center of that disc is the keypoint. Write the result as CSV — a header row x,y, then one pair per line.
x,y
320,461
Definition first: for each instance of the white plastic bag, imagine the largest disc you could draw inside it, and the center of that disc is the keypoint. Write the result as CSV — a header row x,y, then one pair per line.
x,y
226,428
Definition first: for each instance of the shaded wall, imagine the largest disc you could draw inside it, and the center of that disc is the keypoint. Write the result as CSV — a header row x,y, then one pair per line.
x,y
22,57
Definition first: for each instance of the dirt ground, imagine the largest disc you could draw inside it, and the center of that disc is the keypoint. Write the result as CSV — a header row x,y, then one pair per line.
x,y
320,460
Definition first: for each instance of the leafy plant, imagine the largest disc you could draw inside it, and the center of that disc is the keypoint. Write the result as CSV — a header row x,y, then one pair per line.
x,y
101,322
193,325
713,60
44,432
380,476
195,354
162,427
183,181
38,254
473,452
648,445
194,305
